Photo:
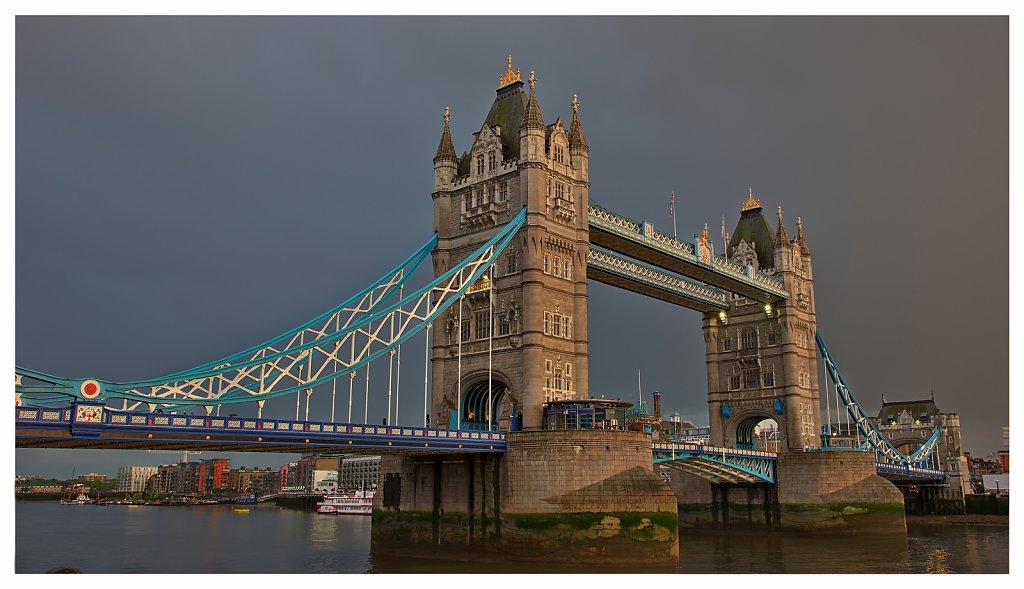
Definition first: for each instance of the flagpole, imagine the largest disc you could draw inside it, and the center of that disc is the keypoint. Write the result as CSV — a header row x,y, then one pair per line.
x,y
672,211
725,242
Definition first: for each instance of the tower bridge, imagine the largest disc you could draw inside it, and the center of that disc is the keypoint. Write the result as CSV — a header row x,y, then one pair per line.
x,y
505,332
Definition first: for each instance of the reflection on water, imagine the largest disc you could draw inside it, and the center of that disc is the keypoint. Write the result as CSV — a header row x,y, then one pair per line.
x,y
936,562
215,539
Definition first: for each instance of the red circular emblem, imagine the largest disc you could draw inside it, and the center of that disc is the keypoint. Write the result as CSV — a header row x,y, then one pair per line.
x,y
90,389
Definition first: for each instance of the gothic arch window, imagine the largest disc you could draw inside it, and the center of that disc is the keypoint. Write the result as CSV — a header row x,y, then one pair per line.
x,y
480,164
491,161
749,339
726,342
504,192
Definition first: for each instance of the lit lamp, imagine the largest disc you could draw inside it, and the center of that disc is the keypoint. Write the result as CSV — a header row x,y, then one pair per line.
x,y
768,309
722,318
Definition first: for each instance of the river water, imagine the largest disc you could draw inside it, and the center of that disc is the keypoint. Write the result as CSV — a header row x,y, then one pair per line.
x,y
268,539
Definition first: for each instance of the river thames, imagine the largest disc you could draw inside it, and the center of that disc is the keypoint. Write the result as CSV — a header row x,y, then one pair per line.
x,y
269,539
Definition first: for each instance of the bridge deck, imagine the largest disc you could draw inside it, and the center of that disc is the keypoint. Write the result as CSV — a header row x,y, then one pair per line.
x,y
112,429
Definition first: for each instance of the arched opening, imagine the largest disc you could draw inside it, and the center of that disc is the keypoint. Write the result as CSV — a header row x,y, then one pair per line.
x,y
477,413
759,433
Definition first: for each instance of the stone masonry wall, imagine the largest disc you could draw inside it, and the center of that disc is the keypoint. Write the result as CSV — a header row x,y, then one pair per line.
x,y
829,477
825,490
582,471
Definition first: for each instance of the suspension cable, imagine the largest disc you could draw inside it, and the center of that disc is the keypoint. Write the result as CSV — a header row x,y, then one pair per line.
x,y
398,367
458,410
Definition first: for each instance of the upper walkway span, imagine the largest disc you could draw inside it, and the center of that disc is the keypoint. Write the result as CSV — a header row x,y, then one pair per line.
x,y
643,243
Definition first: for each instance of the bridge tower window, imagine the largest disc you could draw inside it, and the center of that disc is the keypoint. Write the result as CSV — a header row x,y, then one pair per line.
x,y
750,379
483,326
490,161
512,264
464,330
503,328
566,269
749,339
734,382
480,164
504,191
557,268
727,344
772,338
769,379
547,264
493,193
469,201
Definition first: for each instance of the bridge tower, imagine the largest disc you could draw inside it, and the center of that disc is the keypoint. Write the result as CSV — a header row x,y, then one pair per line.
x,y
538,288
760,355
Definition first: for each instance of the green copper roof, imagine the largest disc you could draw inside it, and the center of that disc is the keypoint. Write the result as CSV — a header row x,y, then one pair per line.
x,y
507,111
891,411
753,228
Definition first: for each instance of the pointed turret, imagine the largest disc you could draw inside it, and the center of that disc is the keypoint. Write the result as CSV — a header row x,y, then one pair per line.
x,y
532,119
800,237
445,160
446,148
781,238
577,142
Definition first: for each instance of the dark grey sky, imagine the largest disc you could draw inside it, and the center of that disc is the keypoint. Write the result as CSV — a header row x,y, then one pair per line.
x,y
187,187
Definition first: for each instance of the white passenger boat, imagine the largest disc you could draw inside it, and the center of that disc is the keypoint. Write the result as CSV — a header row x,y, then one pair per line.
x,y
358,503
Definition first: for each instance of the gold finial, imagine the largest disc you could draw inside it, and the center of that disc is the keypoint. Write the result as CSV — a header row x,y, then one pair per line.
x,y
510,76
575,104
799,225
780,213
447,115
751,202
533,81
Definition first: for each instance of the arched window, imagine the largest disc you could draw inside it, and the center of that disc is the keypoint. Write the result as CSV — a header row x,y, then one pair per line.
x,y
749,339
480,164
490,161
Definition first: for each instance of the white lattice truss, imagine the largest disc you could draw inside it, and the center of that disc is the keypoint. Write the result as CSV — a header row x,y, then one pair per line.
x,y
331,346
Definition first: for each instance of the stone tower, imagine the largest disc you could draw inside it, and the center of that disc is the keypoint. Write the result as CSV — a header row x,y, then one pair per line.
x,y
761,358
538,350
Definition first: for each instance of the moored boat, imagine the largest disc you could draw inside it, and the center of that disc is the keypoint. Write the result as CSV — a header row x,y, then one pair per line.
x,y
357,503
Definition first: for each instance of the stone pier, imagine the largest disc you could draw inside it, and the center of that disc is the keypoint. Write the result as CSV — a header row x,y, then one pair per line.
x,y
815,491
586,496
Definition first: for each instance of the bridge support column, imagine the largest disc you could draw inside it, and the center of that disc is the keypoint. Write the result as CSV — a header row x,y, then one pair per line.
x,y
704,504
829,490
582,497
